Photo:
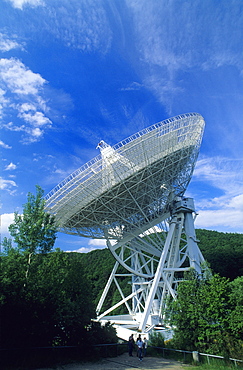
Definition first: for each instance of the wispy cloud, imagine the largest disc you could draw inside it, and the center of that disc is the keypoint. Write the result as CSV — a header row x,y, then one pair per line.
x,y
3,102
133,86
5,146
6,44
224,212
19,86
19,4
8,185
221,172
82,25
10,167
176,36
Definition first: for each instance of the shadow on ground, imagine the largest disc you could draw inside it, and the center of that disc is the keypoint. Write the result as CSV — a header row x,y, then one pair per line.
x,y
124,362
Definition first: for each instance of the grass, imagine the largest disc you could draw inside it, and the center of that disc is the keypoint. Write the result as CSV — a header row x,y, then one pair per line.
x,y
209,367
213,367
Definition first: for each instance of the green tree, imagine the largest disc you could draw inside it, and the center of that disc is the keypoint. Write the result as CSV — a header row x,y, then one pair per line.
x,y
183,313
156,340
236,301
223,251
12,303
34,231
101,334
7,245
235,319
54,308
200,314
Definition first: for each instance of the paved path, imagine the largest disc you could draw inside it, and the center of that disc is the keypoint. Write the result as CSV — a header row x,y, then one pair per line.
x,y
124,362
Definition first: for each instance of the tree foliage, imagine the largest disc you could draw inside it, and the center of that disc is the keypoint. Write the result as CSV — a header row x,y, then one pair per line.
x,y
156,340
54,305
235,317
35,230
207,316
223,251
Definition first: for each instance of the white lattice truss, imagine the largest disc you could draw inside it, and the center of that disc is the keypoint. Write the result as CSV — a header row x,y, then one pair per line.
x,y
156,260
132,195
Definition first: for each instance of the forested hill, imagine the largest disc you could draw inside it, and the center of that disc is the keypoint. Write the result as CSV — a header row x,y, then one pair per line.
x,y
223,252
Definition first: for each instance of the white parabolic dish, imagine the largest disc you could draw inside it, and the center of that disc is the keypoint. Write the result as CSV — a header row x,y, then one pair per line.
x,y
130,183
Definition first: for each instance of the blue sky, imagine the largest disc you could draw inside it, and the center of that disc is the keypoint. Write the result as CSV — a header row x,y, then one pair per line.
x,y
74,72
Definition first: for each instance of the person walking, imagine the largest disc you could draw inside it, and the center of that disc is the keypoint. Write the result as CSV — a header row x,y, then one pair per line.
x,y
130,345
145,345
138,338
140,348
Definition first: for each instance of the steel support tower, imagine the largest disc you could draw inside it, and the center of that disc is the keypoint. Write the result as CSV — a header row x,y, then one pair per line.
x,y
132,195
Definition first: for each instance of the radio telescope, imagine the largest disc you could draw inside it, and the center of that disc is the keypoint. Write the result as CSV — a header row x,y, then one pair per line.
x,y
132,195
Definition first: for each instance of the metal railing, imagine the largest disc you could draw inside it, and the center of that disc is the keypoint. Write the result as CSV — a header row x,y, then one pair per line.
x,y
118,348
196,355
236,361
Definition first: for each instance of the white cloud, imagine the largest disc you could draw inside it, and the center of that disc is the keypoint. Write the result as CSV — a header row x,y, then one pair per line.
x,y
21,86
19,4
31,134
7,185
34,135
93,244
11,127
236,202
18,78
5,146
152,230
35,119
10,167
26,107
3,101
6,220
228,218
82,250
225,211
97,242
6,44
221,172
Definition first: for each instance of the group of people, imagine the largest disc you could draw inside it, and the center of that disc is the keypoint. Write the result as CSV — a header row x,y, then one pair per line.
x,y
141,346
